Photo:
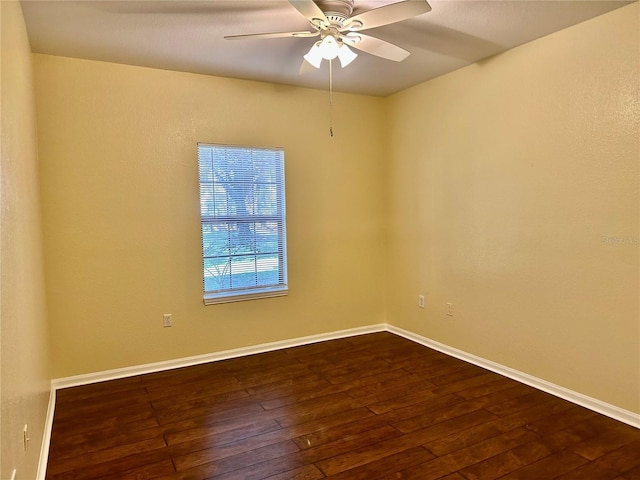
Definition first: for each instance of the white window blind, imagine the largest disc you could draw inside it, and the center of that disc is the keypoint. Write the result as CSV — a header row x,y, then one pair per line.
x,y
242,211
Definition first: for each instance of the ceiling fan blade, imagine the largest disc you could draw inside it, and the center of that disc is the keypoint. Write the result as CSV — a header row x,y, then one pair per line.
x,y
375,46
394,12
312,12
272,35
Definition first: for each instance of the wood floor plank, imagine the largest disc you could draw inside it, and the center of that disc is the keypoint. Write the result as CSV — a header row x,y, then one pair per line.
x,y
460,459
488,388
259,471
234,409
148,471
420,408
85,444
122,405
100,389
299,394
308,472
342,417
552,466
225,432
463,437
366,454
524,398
499,397
460,385
620,460
368,407
373,384
438,415
331,434
214,450
123,420
506,462
541,411
211,400
569,437
216,453
399,397
614,437
561,420
633,474
326,452
460,373
287,387
226,464
194,391
392,463
313,409
110,453
71,435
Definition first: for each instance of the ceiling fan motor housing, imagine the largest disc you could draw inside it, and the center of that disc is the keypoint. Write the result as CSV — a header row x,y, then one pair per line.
x,y
336,11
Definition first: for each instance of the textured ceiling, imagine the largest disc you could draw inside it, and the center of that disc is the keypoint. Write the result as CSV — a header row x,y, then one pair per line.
x,y
188,36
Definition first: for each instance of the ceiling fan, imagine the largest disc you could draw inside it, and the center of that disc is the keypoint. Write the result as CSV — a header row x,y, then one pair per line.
x,y
338,29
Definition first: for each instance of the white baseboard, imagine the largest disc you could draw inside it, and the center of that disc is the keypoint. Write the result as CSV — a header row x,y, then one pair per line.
x,y
46,436
599,406
88,378
594,404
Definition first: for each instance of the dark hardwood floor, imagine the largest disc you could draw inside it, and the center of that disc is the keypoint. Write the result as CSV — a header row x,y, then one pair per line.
x,y
361,408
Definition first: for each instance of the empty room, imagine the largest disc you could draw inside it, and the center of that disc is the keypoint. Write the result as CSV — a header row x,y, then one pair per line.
x,y
308,239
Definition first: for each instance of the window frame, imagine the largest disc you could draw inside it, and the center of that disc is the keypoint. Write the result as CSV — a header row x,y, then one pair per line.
x,y
227,295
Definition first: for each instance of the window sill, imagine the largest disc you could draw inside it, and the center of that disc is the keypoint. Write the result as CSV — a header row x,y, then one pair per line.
x,y
214,299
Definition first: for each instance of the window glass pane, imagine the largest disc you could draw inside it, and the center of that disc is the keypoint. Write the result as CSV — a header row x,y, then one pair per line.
x,y
205,166
266,197
266,237
242,238
243,219
268,271
265,170
206,199
217,274
243,272
238,197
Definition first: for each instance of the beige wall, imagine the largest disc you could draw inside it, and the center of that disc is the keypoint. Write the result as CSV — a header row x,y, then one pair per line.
x,y
121,211
24,377
514,194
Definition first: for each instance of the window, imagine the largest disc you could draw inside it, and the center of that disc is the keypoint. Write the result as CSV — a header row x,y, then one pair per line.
x,y
242,211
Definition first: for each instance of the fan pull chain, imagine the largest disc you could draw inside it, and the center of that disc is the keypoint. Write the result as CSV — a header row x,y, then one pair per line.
x,y
331,98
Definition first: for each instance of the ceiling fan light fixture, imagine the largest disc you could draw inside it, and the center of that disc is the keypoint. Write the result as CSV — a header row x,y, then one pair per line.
x,y
314,56
346,55
329,47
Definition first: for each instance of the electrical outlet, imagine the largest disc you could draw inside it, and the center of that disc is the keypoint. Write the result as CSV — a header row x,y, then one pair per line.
x,y
450,309
421,301
166,320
